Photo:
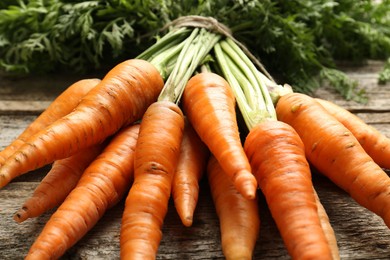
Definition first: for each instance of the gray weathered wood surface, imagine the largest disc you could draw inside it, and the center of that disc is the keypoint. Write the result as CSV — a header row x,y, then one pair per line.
x,y
360,233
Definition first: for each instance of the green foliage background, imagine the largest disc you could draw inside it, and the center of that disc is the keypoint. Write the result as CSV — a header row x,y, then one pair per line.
x,y
298,41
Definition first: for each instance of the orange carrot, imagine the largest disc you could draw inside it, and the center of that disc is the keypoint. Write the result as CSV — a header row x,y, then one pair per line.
x,y
157,154
118,100
209,104
103,184
239,217
60,107
189,171
336,153
147,202
327,228
277,157
57,184
376,144
278,160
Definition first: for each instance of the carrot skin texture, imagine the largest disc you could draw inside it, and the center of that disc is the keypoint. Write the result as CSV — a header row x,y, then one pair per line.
x,y
60,107
209,104
336,153
156,157
278,161
376,144
119,99
189,171
103,184
239,217
57,184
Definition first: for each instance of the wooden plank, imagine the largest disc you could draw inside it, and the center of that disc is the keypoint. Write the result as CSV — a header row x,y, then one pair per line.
x,y
22,107
38,87
367,79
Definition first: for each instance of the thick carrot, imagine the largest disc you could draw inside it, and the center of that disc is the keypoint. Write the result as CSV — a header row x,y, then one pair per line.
x,y
336,153
189,171
103,184
118,100
209,104
239,217
156,157
60,107
327,228
278,160
277,157
376,144
57,184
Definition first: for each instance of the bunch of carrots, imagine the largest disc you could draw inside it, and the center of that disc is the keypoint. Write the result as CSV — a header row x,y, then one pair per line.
x,y
156,124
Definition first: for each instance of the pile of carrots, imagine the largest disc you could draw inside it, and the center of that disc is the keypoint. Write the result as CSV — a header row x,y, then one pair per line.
x,y
155,125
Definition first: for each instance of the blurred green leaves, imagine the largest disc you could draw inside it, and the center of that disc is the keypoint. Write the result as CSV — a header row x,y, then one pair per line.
x,y
298,41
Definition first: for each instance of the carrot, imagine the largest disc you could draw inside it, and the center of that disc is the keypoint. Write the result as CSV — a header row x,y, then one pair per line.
x,y
278,161
209,104
156,157
376,144
103,184
189,171
57,184
60,107
277,157
327,228
336,153
118,100
157,154
239,217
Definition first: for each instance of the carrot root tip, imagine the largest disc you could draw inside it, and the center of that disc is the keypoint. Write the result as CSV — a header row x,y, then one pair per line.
x,y
21,215
246,184
4,180
187,221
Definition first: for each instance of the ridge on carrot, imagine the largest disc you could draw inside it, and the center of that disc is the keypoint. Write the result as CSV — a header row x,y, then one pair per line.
x,y
156,160
277,157
103,184
336,153
120,99
61,106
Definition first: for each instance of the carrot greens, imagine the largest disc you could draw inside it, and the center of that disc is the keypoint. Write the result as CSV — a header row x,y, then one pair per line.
x,y
189,59
247,82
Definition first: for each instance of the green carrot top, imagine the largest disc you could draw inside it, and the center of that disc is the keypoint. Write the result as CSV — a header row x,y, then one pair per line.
x,y
255,93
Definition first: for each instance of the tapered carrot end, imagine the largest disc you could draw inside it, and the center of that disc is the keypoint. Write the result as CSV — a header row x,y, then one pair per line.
x,y
187,220
4,179
185,212
21,215
245,182
238,253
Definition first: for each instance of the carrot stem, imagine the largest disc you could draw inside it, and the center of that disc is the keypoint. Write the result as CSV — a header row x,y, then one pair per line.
x,y
168,40
195,49
164,53
251,93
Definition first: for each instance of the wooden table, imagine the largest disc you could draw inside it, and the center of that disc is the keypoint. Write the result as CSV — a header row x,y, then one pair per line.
x,y
360,233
